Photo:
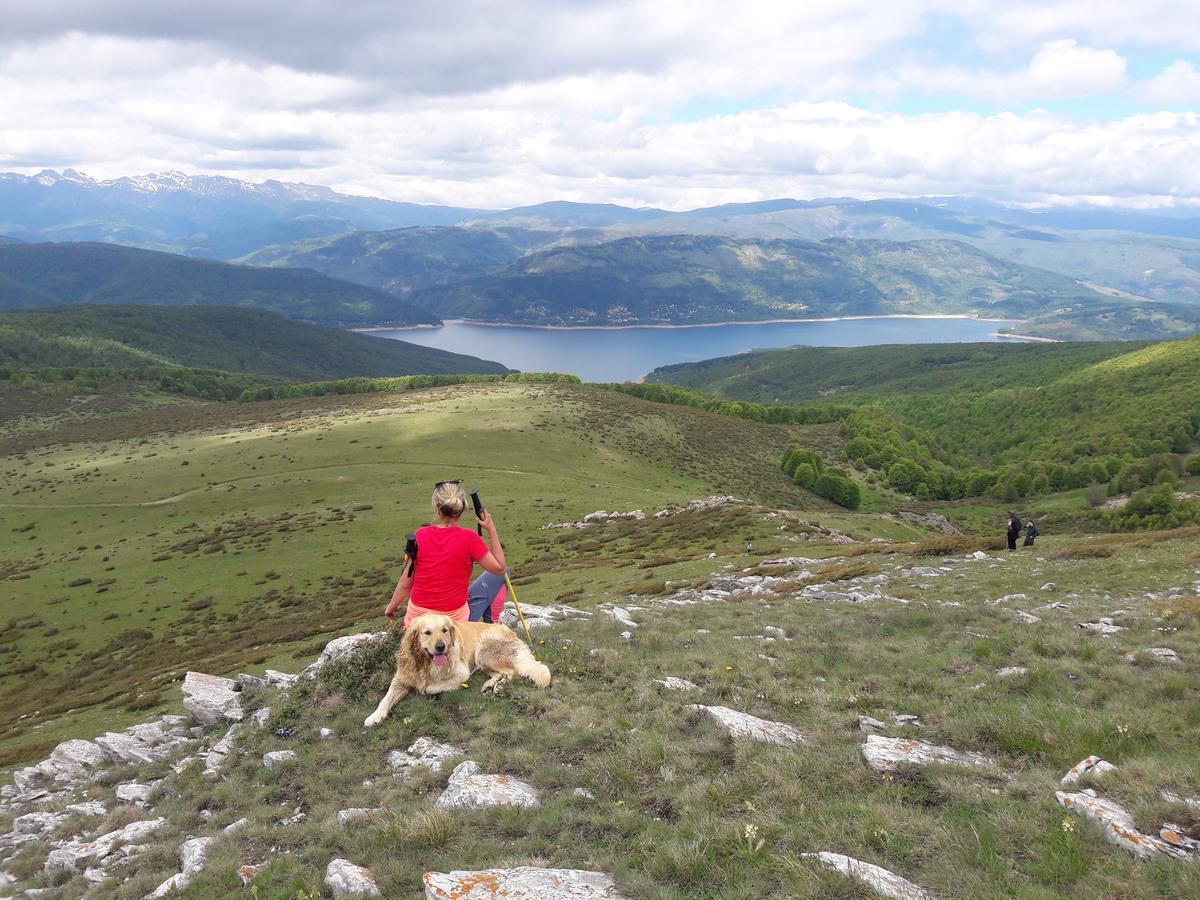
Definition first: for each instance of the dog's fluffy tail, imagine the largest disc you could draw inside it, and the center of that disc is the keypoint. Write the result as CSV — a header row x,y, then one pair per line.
x,y
539,674
535,671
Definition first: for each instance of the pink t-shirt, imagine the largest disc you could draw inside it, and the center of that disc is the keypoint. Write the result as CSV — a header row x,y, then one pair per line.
x,y
445,558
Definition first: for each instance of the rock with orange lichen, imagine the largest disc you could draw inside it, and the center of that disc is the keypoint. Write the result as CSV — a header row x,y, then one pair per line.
x,y
1119,828
523,883
345,879
471,789
886,754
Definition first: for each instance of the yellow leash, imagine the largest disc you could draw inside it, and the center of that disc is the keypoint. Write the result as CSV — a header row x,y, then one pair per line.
x,y
520,615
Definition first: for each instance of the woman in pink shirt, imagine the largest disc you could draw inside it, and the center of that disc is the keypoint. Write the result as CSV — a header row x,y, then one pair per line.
x,y
446,555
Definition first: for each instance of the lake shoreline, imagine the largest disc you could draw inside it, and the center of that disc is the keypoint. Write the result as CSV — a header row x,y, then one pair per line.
x,y
380,328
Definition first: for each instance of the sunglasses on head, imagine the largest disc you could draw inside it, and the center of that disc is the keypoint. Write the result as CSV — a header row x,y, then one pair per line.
x,y
442,484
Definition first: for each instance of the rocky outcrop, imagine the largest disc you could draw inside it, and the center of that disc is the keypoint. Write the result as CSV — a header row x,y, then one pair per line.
x,y
342,648
1091,765
524,883
275,758
1119,828
211,699
618,614
215,760
75,856
468,788
742,725
886,754
671,683
425,753
880,880
1159,654
537,616
345,879
193,857
75,761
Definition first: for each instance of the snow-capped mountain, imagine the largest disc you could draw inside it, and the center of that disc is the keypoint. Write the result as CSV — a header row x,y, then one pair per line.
x,y
200,215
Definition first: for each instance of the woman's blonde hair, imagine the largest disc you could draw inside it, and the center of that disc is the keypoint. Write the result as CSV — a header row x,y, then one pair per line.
x,y
449,499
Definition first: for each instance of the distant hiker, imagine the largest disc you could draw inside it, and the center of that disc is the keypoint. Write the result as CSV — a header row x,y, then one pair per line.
x,y
749,547
1014,530
1030,533
486,597
446,553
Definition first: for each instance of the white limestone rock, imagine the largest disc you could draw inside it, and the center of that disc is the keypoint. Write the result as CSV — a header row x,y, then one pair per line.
x,y
211,699
37,823
176,884
1103,626
74,856
1091,765
470,789
1011,671
281,680
326,733
1191,802
1118,826
88,808
135,792
355,814
618,614
1161,654
886,754
424,752
880,880
220,751
261,717
523,883
1025,618
742,725
671,683
342,648
274,758
193,854
234,826
345,879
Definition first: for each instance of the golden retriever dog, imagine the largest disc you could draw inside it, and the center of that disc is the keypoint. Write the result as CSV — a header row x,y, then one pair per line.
x,y
438,654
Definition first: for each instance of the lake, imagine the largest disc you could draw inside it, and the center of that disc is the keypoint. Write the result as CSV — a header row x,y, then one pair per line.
x,y
626,354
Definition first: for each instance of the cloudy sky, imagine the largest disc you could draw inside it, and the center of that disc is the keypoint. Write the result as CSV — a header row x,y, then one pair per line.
x,y
671,104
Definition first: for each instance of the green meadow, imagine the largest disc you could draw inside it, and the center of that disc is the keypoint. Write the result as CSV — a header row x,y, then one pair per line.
x,y
234,537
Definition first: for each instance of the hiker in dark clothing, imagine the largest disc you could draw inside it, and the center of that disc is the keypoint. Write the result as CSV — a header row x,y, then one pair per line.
x,y
1014,530
1030,533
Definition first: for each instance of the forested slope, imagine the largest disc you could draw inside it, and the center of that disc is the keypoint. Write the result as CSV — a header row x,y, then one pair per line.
x,y
703,279
37,275
212,337
1010,421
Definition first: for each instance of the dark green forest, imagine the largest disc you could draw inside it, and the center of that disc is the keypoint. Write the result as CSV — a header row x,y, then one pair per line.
x,y
211,337
43,275
1002,421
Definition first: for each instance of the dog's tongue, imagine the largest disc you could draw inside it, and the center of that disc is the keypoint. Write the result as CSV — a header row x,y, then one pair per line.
x,y
439,659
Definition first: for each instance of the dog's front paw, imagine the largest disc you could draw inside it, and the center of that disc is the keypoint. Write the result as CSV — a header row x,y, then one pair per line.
x,y
493,684
373,719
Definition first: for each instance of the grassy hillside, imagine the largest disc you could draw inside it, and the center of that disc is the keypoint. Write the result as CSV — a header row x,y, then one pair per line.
x,y
1115,320
801,374
125,567
308,489
398,261
33,275
212,337
695,279
1008,420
